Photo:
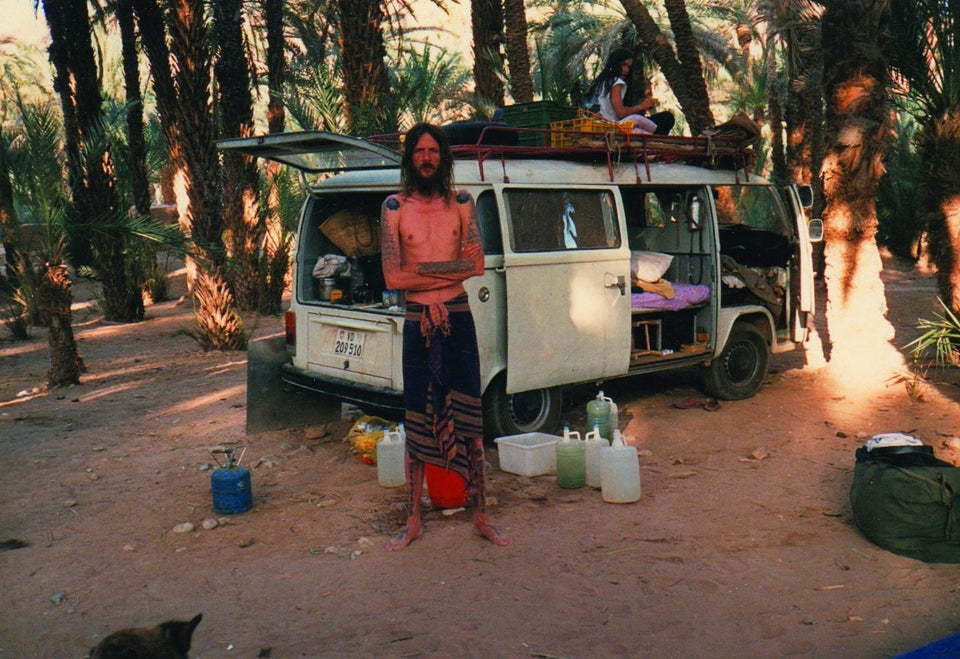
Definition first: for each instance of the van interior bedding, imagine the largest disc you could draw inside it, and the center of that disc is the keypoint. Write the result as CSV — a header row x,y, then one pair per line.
x,y
684,296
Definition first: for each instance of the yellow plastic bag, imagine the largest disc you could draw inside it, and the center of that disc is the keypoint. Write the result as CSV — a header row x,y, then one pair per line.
x,y
364,435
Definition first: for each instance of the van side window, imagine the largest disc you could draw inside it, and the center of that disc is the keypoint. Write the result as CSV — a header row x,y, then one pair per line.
x,y
554,220
488,220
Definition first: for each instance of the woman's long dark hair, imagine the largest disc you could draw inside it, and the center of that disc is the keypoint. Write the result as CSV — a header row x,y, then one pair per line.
x,y
408,173
610,72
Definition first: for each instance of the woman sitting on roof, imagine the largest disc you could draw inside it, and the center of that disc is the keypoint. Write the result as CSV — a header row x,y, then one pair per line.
x,y
609,90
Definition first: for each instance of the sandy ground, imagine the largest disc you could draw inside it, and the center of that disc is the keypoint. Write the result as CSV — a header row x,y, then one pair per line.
x,y
742,544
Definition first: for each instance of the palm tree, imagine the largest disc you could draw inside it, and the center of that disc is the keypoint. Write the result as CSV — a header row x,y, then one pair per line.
x,y
184,104
241,180
518,54
486,17
428,83
277,239
36,167
803,105
927,56
366,82
10,230
681,65
218,324
137,143
859,125
90,167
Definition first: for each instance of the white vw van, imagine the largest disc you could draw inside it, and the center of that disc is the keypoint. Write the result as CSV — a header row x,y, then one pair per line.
x,y
601,263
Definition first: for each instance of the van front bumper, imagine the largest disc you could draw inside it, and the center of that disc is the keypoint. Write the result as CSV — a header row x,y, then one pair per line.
x,y
363,396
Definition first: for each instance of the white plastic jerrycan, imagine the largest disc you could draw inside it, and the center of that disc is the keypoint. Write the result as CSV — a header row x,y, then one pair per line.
x,y
619,472
391,451
594,443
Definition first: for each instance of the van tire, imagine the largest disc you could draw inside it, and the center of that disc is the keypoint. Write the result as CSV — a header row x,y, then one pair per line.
x,y
506,414
738,371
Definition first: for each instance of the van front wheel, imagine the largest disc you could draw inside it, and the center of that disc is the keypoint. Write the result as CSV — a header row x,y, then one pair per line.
x,y
505,414
739,370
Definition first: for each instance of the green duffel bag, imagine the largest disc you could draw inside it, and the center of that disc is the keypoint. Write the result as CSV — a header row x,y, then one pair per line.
x,y
906,501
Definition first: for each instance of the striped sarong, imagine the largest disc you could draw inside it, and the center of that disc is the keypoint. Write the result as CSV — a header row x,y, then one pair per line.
x,y
441,386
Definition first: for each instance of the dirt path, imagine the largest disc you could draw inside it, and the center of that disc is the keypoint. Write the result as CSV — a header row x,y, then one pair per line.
x,y
741,545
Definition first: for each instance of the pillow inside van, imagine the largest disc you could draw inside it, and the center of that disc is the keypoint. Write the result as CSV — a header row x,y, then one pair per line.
x,y
649,266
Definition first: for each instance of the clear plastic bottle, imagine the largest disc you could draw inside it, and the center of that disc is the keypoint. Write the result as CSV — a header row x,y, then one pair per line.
x,y
620,472
593,443
391,450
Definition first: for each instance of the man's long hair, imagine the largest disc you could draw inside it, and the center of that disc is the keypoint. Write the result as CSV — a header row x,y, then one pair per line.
x,y
408,173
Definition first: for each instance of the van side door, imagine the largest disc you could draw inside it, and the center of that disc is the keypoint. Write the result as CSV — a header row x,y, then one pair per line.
x,y
567,272
803,279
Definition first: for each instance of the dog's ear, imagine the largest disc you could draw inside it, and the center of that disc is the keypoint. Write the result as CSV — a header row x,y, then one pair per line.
x,y
180,633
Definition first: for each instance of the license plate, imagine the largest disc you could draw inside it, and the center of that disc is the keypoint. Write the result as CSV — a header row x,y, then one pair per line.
x,y
348,343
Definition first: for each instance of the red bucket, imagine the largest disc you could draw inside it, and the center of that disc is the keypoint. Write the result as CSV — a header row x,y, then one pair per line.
x,y
446,488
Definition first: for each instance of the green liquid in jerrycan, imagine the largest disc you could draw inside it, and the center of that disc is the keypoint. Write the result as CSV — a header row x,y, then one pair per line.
x,y
602,412
571,460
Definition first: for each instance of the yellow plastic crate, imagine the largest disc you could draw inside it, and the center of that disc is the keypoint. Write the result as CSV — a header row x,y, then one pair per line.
x,y
588,130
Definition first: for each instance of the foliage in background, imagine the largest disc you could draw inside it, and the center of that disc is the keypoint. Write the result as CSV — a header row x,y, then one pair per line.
x,y
940,336
429,83
898,197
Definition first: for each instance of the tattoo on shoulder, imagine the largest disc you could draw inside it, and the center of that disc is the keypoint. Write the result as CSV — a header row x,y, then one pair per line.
x,y
392,203
463,197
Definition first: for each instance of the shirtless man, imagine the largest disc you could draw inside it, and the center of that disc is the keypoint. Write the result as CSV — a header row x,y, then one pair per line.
x,y
430,245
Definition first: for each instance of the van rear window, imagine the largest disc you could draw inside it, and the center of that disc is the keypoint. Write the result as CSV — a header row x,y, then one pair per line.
x,y
555,220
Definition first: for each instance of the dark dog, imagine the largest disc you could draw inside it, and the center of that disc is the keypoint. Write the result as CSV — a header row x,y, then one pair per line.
x,y
168,640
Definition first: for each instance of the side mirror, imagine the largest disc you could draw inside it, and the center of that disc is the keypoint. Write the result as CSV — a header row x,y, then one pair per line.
x,y
815,230
805,192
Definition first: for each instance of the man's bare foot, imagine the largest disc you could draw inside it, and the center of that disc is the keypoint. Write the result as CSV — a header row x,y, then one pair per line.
x,y
407,534
488,531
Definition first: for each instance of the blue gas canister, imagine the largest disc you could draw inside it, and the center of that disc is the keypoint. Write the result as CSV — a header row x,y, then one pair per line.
x,y
232,492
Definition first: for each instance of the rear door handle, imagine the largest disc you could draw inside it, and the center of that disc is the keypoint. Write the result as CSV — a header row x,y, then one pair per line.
x,y
615,281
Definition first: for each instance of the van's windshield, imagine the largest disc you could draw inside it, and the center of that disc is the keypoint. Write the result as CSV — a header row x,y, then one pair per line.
x,y
756,207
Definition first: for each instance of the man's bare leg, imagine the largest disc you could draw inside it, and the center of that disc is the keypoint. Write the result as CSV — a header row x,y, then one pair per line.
x,y
481,523
478,496
414,526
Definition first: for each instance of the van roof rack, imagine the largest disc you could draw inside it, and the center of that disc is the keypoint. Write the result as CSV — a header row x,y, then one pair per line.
x,y
589,140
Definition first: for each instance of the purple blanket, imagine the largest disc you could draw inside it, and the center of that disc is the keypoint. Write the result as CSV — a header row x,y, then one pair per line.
x,y
685,295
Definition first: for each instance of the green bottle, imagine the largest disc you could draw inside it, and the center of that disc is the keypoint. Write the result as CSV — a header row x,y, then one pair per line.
x,y
571,460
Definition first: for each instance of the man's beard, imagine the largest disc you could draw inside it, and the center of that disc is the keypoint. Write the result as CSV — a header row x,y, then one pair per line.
x,y
428,186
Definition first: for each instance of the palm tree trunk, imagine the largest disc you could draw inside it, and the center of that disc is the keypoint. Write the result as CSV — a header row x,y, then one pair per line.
x,y
91,178
241,181
151,25
693,98
487,19
697,106
9,223
276,244
939,148
54,299
198,172
366,83
803,108
60,58
131,82
518,55
858,126
775,112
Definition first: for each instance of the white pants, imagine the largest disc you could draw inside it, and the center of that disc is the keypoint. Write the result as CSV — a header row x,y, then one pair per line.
x,y
641,124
